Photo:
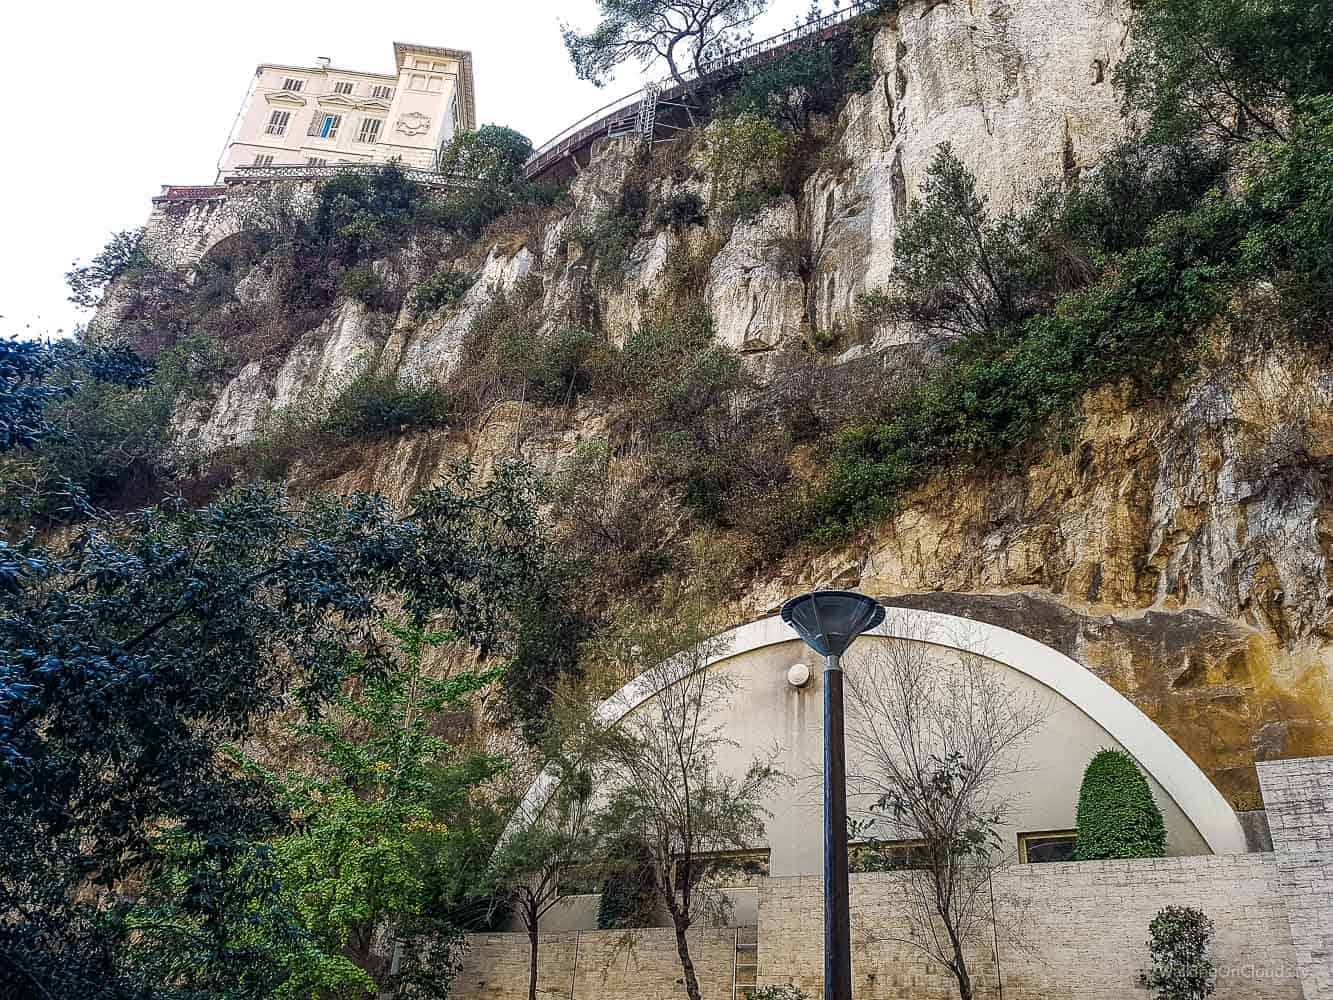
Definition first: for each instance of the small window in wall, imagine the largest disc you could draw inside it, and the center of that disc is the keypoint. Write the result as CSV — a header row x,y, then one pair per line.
x,y
370,130
1052,845
263,159
277,123
316,161
382,92
887,856
293,84
342,87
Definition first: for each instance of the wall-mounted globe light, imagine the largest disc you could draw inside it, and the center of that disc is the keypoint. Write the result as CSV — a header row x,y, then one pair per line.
x,y
829,621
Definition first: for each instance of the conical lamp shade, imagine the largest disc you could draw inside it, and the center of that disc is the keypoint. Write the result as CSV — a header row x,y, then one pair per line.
x,y
829,620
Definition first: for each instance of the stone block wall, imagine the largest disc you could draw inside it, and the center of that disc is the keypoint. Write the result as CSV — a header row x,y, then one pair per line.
x,y
1076,931
1299,797
598,965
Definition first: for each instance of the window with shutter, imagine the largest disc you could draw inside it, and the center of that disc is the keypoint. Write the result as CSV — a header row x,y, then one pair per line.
x,y
292,84
277,123
263,159
370,130
316,123
342,87
382,92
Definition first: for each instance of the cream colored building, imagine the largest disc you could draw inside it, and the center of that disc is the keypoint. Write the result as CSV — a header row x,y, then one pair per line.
x,y
323,115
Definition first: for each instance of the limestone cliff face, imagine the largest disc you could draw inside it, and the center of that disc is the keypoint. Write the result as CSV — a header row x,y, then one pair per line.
x,y
1180,550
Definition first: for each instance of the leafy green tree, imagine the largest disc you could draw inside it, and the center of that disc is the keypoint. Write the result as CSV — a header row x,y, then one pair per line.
x,y
682,34
1178,943
132,650
959,268
370,828
35,376
492,155
790,90
745,158
1230,70
124,256
1117,816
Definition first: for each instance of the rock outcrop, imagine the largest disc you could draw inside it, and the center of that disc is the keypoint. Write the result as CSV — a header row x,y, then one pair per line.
x,y
1180,550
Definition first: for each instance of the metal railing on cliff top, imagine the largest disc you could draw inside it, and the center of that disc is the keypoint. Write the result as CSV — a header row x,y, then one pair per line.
x,y
591,125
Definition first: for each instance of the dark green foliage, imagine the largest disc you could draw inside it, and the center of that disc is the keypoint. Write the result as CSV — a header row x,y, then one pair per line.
x,y
374,404
790,90
367,287
97,416
629,898
124,255
492,156
961,269
1178,943
444,288
135,648
684,208
1117,817
553,369
26,390
357,217
1226,70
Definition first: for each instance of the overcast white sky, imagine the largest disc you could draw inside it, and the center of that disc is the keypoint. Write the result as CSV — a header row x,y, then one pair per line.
x,y
110,100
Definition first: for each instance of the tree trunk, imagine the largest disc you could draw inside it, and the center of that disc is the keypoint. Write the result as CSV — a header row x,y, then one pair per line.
x,y
686,965
532,960
960,970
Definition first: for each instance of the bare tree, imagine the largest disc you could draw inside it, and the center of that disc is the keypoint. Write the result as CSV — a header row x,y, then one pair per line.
x,y
936,744
681,33
530,863
667,783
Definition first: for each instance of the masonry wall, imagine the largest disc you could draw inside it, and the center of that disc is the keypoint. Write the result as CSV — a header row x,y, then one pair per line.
x,y
597,965
1078,931
1299,797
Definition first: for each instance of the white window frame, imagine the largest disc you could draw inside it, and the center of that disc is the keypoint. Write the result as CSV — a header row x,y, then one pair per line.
x,y
382,92
293,84
329,126
370,130
277,123
263,160
344,87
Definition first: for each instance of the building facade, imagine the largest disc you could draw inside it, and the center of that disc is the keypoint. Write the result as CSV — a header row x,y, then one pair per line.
x,y
323,115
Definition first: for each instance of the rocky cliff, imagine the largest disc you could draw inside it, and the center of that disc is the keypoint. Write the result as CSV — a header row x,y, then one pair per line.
x,y
1179,549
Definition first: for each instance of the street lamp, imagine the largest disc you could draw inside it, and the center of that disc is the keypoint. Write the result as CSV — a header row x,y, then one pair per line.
x,y
829,621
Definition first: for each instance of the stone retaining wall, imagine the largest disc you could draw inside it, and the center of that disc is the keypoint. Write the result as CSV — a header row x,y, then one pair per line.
x,y
597,965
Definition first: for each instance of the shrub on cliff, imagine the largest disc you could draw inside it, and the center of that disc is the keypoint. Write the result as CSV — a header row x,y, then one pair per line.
x,y
1117,817
492,155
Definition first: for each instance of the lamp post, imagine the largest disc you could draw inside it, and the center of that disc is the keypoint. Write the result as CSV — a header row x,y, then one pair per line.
x,y
829,621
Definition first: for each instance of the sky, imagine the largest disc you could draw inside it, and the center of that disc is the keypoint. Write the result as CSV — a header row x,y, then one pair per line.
x,y
111,100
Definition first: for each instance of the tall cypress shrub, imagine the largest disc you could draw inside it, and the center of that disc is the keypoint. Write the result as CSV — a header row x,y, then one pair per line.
x,y
1117,817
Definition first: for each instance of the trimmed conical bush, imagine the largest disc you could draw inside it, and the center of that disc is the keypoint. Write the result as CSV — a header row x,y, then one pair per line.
x,y
1117,817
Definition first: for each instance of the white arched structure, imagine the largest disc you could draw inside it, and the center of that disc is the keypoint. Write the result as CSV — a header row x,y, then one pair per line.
x,y
1156,753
